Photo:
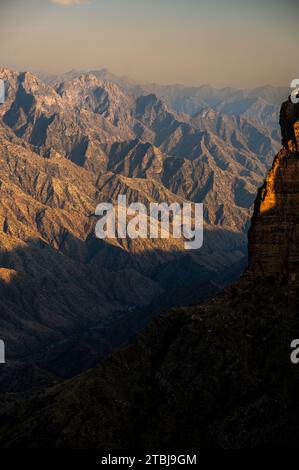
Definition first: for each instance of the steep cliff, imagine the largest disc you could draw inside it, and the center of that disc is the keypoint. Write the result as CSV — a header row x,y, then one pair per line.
x,y
274,233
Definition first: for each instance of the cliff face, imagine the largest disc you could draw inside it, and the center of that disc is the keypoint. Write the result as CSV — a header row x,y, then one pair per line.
x,y
274,234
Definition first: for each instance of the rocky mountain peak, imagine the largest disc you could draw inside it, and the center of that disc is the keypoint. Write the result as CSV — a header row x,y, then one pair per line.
x,y
207,113
150,104
7,74
90,82
100,97
32,85
30,81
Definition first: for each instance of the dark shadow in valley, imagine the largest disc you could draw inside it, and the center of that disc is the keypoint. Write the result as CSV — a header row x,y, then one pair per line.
x,y
61,315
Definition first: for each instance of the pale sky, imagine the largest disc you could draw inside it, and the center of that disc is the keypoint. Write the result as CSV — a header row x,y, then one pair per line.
x,y
193,42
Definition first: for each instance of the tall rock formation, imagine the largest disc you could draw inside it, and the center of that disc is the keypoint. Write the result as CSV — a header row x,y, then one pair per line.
x,y
274,233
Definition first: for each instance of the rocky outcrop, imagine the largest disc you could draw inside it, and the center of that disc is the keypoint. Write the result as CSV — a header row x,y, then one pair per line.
x,y
274,233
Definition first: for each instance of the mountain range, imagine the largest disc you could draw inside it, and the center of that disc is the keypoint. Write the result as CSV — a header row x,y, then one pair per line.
x,y
70,142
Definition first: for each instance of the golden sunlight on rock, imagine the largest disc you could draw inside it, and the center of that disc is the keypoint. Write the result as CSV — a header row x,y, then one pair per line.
x,y
273,236
7,275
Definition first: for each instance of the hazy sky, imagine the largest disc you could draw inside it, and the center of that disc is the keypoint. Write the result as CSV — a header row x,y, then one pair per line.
x,y
219,42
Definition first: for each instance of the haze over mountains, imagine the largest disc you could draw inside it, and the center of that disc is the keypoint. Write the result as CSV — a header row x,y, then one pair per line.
x,y
70,142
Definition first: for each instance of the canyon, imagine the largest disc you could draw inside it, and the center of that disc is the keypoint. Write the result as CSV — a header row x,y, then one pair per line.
x,y
69,143
215,375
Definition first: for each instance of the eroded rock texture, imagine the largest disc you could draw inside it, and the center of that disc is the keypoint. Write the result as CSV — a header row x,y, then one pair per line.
x,y
274,233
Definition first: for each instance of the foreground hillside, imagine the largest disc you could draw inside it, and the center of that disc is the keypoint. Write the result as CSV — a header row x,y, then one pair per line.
x,y
213,375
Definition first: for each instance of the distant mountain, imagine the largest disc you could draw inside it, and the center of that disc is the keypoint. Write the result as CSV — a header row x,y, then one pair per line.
x,y
187,99
127,83
94,123
81,139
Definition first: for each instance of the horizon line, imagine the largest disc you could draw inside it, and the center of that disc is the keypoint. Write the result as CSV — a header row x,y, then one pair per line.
x,y
85,71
